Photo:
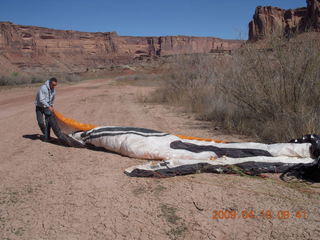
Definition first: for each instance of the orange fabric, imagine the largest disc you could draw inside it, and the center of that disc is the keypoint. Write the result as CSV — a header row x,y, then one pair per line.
x,y
73,123
86,127
200,139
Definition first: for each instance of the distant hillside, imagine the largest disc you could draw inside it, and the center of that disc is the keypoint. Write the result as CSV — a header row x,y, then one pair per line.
x,y
37,49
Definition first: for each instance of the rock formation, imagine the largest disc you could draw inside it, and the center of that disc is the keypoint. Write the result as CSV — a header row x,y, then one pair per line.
x,y
272,20
38,49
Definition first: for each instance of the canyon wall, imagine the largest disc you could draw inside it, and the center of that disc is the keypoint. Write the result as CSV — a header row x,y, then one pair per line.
x,y
38,49
272,20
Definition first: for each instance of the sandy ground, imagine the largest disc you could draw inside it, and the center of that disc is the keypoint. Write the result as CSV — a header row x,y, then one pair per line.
x,y
48,191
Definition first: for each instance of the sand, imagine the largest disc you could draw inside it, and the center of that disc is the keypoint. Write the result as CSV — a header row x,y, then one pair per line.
x,y
48,191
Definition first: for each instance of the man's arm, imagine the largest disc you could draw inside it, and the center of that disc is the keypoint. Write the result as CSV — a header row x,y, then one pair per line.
x,y
51,107
53,97
43,97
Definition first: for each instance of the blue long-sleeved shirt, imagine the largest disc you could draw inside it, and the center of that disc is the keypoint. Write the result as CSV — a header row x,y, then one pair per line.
x,y
45,95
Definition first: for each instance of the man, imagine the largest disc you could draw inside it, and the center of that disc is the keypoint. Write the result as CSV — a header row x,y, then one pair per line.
x,y
44,106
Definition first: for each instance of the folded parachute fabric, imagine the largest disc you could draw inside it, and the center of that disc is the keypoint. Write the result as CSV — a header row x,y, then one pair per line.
x,y
181,155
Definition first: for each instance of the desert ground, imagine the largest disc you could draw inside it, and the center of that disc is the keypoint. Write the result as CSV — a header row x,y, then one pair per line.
x,y
48,191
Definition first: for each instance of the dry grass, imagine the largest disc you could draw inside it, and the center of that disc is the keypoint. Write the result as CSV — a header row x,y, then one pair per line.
x,y
271,93
275,92
20,78
138,79
189,82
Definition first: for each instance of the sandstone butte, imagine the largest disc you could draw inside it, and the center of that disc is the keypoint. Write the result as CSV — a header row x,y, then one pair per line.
x,y
37,49
272,20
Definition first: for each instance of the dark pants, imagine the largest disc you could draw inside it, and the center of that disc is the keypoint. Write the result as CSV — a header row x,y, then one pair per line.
x,y
43,115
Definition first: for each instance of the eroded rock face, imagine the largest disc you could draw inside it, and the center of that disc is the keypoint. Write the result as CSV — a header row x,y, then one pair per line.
x,y
313,13
37,49
272,20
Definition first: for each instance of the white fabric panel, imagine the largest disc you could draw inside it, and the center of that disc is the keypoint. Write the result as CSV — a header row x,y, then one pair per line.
x,y
156,146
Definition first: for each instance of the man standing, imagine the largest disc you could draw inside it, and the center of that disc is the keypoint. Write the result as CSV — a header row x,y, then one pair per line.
x,y
44,106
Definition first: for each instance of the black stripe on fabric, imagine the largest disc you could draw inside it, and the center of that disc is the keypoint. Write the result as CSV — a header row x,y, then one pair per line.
x,y
252,168
118,134
229,152
118,129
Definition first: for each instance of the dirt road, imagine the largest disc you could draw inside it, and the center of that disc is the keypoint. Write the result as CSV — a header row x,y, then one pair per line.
x,y
48,191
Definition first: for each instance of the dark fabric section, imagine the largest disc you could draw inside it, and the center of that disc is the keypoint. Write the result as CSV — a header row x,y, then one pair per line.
x,y
115,129
306,139
252,168
168,172
63,138
229,152
118,134
265,167
308,172
143,173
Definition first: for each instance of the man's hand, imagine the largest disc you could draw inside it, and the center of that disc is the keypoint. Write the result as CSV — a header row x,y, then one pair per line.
x,y
51,109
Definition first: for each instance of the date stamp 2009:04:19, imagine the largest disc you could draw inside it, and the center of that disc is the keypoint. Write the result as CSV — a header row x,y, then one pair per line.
x,y
263,214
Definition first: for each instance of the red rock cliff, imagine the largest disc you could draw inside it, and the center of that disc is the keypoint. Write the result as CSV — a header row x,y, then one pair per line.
x,y
37,49
273,20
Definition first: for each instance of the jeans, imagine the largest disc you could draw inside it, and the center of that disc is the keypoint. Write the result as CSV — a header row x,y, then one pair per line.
x,y
44,124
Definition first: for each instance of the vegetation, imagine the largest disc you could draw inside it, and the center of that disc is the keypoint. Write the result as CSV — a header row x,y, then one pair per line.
x,y
271,92
16,78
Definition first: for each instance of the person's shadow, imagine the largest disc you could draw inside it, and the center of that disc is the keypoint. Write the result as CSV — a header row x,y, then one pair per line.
x,y
36,137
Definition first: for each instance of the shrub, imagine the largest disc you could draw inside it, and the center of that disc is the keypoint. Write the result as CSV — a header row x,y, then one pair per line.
x,y
24,79
189,82
270,92
276,89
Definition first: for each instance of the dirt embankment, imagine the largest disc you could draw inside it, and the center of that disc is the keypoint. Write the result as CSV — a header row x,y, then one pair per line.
x,y
48,191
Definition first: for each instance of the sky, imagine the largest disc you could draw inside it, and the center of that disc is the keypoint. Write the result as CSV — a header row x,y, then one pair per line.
x,y
226,19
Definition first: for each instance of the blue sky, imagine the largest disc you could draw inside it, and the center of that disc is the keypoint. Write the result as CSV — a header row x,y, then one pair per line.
x,y
217,18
